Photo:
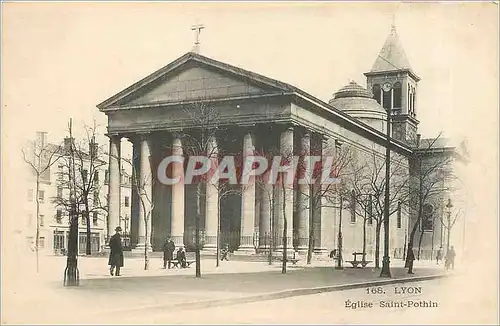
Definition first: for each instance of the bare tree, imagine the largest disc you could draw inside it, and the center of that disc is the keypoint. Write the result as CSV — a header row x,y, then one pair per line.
x,y
88,160
318,193
141,182
201,141
429,168
40,156
367,190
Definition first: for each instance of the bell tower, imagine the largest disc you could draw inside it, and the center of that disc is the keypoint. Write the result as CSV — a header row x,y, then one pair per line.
x,y
394,86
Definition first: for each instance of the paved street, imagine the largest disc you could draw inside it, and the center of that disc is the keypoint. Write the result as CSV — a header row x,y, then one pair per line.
x,y
101,295
329,308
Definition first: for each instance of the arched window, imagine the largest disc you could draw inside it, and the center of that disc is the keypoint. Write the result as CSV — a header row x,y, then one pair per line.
x,y
413,99
387,100
376,92
397,95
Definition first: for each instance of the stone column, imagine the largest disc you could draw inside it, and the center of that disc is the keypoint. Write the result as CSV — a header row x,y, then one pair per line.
x,y
145,183
247,200
135,202
212,199
114,183
265,196
286,150
177,223
303,194
324,221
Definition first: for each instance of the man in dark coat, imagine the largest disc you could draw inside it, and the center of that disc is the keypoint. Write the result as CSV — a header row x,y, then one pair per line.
x,y
168,253
410,258
116,252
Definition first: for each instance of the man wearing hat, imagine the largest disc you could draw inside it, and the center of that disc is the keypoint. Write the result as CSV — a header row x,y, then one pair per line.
x,y
116,252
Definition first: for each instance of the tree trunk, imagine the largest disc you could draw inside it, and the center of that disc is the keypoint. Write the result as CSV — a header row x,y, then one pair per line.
x,y
146,242
448,235
364,240
377,244
310,246
88,248
197,228
420,243
285,226
37,235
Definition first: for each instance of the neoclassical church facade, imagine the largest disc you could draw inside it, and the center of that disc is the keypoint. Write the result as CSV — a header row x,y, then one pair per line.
x,y
259,113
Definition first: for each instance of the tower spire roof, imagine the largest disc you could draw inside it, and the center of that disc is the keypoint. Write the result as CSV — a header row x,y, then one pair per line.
x,y
392,56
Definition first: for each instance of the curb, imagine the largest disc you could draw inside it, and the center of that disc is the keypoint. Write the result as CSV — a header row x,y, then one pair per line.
x,y
270,296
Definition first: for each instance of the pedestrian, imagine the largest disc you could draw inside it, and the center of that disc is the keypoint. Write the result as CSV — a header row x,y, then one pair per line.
x,y
438,256
410,258
225,253
181,257
450,258
168,253
116,252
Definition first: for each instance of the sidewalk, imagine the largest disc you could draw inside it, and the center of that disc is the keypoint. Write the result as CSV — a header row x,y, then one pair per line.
x,y
137,291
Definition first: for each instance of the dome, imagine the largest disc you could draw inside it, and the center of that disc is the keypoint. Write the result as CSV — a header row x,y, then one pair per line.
x,y
352,90
359,103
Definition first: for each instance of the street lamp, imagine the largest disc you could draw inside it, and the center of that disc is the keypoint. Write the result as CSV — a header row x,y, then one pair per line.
x,y
338,145
449,206
386,270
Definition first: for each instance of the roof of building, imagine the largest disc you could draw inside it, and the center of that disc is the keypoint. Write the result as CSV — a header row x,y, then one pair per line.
x,y
392,56
354,97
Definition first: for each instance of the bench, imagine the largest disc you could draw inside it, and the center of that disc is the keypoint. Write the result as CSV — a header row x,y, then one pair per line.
x,y
292,260
176,263
363,262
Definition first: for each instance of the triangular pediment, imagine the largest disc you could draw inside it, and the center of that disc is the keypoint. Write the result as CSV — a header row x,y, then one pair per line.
x,y
194,77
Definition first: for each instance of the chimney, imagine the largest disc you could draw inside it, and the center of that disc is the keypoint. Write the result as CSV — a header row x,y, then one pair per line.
x,y
93,147
418,140
67,143
41,138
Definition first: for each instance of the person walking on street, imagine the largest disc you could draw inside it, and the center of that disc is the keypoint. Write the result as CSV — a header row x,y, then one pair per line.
x,y
410,257
168,253
438,256
450,258
116,252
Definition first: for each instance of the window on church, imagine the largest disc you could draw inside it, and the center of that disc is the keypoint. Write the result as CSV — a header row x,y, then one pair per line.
x,y
397,94
376,92
387,100
413,102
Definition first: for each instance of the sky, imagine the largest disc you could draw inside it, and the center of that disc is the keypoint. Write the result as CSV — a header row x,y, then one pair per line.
x,y
60,60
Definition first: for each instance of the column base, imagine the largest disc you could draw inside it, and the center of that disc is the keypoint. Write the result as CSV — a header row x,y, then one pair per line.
x,y
140,248
245,250
303,249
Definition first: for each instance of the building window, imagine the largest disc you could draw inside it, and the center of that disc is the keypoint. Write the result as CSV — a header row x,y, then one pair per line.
x,y
96,177
60,172
41,196
376,92
30,194
96,198
387,100
59,216
58,242
42,220
84,220
397,95
127,201
41,242
353,207
59,192
427,218
413,102
85,175
398,219
95,218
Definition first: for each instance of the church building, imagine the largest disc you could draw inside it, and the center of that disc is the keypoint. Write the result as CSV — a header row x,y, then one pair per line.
x,y
260,113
